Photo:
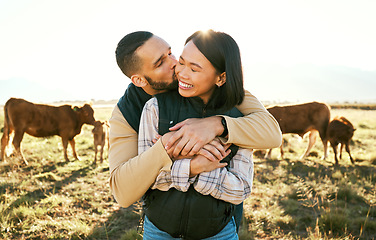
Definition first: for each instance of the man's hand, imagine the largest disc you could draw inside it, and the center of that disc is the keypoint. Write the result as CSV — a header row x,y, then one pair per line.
x,y
192,134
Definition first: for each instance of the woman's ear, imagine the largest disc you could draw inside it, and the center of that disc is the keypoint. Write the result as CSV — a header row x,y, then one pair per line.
x,y
221,79
138,81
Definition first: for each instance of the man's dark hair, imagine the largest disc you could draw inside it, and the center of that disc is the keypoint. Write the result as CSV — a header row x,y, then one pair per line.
x,y
127,60
223,53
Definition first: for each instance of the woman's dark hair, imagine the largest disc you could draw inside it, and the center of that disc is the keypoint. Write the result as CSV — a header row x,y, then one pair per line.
x,y
127,60
223,53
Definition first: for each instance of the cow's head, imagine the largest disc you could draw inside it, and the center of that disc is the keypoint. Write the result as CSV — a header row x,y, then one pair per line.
x,y
86,114
98,127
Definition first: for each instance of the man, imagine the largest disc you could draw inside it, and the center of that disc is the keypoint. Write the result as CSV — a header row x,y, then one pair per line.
x,y
147,60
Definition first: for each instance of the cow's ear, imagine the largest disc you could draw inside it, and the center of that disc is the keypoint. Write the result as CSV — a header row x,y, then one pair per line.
x,y
76,108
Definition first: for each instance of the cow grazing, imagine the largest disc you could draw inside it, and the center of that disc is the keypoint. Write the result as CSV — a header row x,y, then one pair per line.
x,y
38,120
302,118
340,131
100,132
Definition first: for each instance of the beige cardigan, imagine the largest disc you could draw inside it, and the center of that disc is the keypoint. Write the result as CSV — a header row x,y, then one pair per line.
x,y
131,175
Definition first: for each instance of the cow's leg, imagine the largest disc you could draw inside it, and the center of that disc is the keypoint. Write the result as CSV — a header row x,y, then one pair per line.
x,y
335,146
324,140
281,151
340,150
268,155
18,135
348,151
9,149
5,137
102,146
312,140
65,146
73,145
4,143
95,151
325,143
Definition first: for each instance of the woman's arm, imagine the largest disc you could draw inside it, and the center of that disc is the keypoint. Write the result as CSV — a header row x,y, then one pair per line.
x,y
232,184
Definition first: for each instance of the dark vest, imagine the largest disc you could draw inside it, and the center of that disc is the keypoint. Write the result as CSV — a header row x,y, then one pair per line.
x,y
188,215
132,103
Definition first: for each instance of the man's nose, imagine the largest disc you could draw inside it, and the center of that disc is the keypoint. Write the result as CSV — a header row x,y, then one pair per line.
x,y
173,60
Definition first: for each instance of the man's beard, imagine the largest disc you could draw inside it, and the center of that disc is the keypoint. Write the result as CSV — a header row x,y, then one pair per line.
x,y
163,85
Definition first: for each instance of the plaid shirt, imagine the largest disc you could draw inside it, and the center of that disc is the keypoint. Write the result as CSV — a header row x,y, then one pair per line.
x,y
231,185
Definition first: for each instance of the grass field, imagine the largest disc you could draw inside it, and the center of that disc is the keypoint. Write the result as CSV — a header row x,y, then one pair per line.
x,y
291,198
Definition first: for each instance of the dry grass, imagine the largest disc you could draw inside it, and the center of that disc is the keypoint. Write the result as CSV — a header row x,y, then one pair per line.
x,y
291,199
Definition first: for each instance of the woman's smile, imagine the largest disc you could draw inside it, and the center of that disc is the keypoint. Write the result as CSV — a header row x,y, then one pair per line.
x,y
184,85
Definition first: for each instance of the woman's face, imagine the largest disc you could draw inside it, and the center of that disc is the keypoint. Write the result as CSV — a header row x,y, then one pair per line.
x,y
196,75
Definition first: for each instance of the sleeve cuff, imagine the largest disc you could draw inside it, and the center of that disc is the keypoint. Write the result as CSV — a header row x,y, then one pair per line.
x,y
180,174
160,155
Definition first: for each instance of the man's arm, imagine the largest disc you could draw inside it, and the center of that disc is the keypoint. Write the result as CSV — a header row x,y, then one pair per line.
x,y
256,130
132,175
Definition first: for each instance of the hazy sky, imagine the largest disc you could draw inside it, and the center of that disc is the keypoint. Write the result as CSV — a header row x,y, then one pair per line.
x,y
64,50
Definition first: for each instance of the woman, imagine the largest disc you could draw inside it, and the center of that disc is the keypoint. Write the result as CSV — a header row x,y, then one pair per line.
x,y
195,199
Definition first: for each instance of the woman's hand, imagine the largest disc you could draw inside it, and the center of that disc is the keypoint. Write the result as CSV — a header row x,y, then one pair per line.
x,y
201,164
215,150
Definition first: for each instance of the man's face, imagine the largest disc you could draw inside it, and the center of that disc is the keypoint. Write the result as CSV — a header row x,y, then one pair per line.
x,y
158,65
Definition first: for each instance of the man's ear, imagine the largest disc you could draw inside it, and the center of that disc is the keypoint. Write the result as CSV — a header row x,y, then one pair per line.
x,y
138,81
221,79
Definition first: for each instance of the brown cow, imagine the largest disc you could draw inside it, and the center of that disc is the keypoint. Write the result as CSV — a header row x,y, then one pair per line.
x,y
303,118
100,132
340,131
38,120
